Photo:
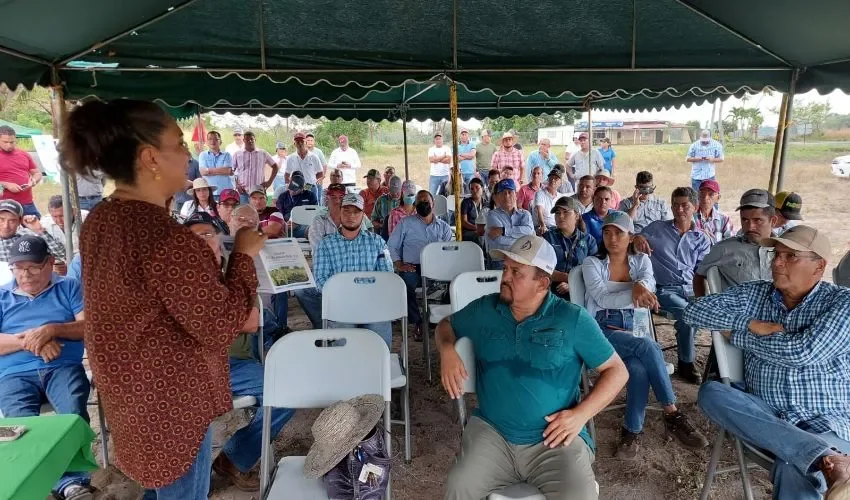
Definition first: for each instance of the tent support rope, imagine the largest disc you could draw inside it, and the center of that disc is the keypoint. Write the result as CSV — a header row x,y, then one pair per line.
x,y
111,39
731,30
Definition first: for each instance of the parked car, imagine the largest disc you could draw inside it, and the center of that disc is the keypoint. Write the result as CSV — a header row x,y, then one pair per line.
x,y
841,166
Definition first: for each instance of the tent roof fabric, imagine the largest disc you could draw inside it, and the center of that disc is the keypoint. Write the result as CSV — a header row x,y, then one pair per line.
x,y
20,130
206,51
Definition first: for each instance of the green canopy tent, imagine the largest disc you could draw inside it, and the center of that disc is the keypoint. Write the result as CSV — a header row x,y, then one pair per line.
x,y
20,130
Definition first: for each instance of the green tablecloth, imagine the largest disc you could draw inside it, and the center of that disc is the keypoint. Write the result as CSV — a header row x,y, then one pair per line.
x,y
52,445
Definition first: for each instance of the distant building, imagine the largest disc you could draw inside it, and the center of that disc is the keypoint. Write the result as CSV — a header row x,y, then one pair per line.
x,y
623,132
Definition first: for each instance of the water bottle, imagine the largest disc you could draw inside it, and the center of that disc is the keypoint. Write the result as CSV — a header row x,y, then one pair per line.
x,y
641,326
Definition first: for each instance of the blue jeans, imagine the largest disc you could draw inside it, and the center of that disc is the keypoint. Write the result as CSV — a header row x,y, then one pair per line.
x,y
645,362
244,199
434,182
65,387
280,307
496,265
467,177
384,329
311,302
31,209
749,418
89,202
673,299
299,231
195,483
412,280
279,182
244,447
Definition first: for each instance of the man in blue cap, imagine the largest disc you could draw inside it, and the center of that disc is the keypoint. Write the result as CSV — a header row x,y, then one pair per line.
x,y
41,345
506,222
295,196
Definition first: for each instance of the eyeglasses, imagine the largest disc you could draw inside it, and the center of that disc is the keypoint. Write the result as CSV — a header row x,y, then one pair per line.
x,y
250,221
791,257
206,236
29,270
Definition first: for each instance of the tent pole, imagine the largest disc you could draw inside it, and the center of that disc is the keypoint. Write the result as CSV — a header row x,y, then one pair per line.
x,y
25,57
455,173
57,104
404,138
780,172
589,141
777,143
433,71
634,31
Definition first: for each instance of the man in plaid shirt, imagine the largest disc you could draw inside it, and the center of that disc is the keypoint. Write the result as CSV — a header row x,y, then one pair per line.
x,y
795,334
11,218
353,249
508,156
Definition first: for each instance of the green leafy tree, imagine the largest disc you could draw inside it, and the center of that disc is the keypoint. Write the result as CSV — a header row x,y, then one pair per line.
x,y
328,132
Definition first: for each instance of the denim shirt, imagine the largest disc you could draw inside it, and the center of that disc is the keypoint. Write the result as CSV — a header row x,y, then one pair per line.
x,y
570,251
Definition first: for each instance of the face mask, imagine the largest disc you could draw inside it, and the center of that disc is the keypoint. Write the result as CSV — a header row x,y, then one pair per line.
x,y
423,208
408,200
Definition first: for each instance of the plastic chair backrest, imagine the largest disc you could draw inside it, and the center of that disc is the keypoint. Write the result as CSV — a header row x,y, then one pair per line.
x,y
304,214
577,288
472,285
444,260
367,297
841,272
441,205
730,359
464,349
302,371
450,202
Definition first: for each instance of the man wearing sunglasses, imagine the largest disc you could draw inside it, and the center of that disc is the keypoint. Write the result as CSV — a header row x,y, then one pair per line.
x,y
643,207
795,335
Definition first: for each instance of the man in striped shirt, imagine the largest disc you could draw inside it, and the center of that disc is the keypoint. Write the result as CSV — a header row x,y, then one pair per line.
x,y
508,156
249,167
795,335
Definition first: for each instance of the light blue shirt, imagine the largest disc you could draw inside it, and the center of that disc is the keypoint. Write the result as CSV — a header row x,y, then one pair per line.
x,y
535,159
602,293
19,312
412,234
223,159
702,170
337,254
516,224
466,166
675,258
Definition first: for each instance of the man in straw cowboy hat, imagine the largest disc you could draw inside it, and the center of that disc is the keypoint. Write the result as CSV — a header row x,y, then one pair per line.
x,y
530,425
795,334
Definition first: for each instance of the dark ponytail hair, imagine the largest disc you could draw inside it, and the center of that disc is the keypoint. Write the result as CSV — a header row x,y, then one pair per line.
x,y
106,136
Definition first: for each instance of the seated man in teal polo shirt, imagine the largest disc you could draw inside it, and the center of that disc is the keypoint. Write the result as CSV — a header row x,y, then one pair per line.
x,y
530,346
41,345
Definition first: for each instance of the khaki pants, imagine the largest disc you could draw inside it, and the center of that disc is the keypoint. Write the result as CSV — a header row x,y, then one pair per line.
x,y
489,463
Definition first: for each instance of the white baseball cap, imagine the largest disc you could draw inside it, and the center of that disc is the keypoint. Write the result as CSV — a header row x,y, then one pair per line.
x,y
530,250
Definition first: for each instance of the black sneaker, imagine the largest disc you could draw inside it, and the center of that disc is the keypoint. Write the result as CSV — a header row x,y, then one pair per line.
x,y
628,446
688,372
678,425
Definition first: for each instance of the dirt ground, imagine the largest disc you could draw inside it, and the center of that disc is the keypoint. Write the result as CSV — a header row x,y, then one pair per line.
x,y
662,470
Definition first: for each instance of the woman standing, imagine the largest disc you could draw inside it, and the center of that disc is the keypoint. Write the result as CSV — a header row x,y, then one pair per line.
x,y
617,281
608,154
157,341
570,241
202,199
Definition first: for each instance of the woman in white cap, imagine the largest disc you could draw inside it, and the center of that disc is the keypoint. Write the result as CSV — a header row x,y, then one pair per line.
x,y
617,281
202,199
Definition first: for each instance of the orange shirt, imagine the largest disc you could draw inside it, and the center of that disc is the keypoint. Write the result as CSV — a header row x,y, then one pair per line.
x,y
369,199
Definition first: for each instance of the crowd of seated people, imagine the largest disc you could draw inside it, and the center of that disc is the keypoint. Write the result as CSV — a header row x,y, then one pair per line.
x,y
639,252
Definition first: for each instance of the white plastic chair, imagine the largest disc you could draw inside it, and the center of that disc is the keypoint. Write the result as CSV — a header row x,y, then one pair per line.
x,y
303,215
472,285
519,491
373,297
443,261
314,369
441,205
730,366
